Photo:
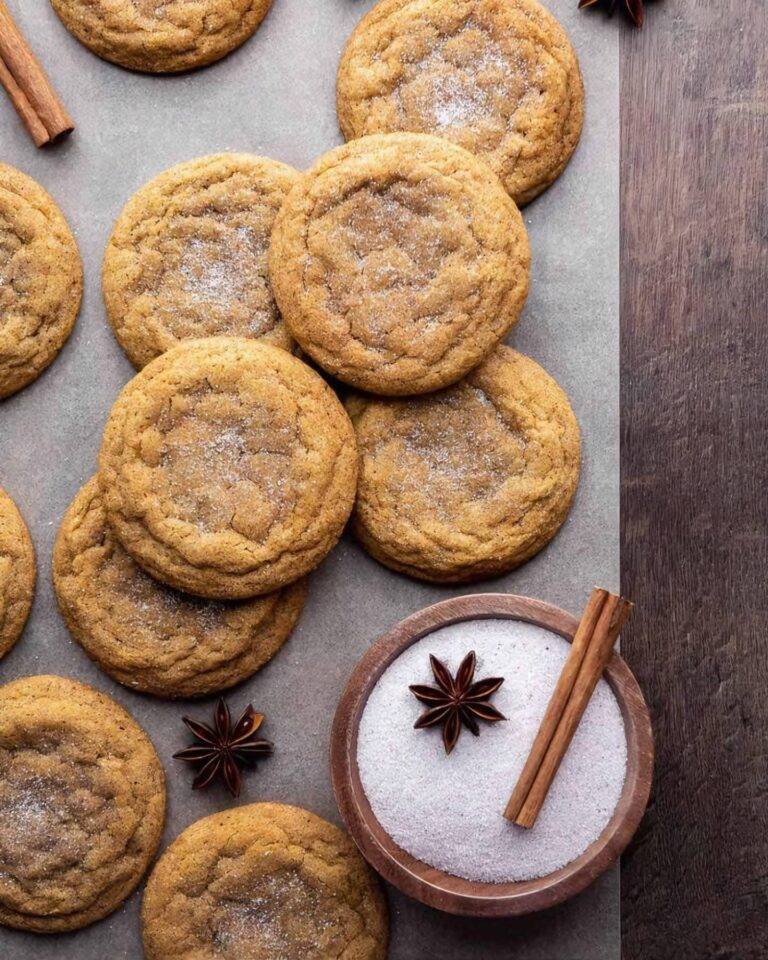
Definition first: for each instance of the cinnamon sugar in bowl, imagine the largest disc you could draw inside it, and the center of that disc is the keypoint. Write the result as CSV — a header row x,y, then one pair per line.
x,y
432,824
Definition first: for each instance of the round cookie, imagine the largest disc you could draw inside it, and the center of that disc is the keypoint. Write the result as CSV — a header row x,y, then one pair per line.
x,y
470,482
41,280
17,573
161,36
228,468
263,882
148,636
399,262
498,77
188,256
82,804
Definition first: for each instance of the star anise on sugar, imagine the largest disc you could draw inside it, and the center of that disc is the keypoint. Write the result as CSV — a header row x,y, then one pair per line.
x,y
634,9
457,701
223,749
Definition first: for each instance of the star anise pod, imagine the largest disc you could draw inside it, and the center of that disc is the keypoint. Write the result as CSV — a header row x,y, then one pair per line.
x,y
634,9
225,748
457,701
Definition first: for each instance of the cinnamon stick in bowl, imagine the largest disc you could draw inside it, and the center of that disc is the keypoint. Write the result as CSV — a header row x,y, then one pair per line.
x,y
28,87
592,647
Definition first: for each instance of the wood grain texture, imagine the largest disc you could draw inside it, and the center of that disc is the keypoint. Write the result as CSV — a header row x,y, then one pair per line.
x,y
428,884
694,95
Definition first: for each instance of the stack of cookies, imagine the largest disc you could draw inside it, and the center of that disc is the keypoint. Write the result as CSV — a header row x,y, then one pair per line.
x,y
226,473
399,263
396,265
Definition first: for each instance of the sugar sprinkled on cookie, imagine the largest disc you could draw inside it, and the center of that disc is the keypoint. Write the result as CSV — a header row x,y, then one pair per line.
x,y
82,804
17,573
499,79
399,262
188,256
147,635
228,468
469,482
162,36
264,881
41,280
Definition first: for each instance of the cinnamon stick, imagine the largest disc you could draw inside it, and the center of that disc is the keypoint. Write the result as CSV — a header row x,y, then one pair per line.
x,y
28,87
600,626
558,701
24,108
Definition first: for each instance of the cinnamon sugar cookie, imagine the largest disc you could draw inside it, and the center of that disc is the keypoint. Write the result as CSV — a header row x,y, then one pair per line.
x,y
17,573
161,36
188,256
41,280
228,468
82,804
148,636
263,882
469,482
498,77
398,262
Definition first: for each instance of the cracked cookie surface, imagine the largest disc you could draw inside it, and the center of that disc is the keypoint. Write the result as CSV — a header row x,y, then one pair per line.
x,y
498,77
17,573
188,256
149,636
469,482
398,262
228,468
82,804
264,882
41,280
161,36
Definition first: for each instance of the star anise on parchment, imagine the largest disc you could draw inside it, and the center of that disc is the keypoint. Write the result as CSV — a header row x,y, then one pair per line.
x,y
223,749
634,9
457,701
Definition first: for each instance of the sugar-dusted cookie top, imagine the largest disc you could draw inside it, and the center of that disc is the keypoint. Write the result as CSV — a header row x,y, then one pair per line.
x,y
469,482
17,573
41,280
263,882
151,637
162,36
188,255
228,468
82,804
398,262
498,77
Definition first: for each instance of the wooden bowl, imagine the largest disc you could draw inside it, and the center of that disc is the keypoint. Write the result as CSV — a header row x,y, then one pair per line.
x,y
428,884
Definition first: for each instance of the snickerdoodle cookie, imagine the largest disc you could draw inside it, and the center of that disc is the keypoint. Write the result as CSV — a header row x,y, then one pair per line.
x,y
41,280
228,468
188,255
263,882
498,77
162,36
17,573
469,482
148,636
82,804
399,262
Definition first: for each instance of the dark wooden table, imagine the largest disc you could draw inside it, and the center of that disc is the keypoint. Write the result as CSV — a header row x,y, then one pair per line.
x,y
694,97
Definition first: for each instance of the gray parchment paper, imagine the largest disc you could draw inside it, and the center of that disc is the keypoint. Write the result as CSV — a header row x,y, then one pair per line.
x,y
275,96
